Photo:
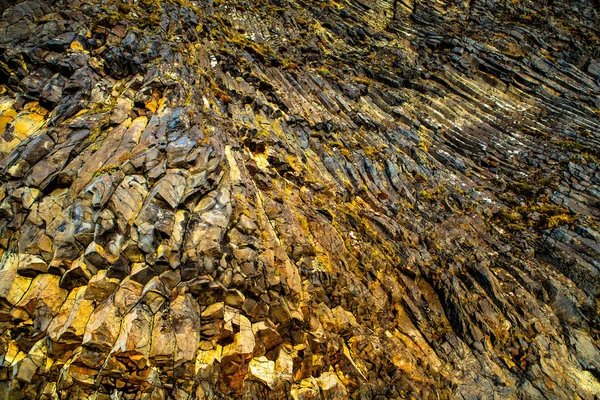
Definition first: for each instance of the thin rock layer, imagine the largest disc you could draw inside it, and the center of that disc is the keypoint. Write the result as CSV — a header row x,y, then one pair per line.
x,y
299,199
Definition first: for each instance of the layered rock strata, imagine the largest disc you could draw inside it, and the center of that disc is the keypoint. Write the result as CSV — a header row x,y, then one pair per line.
x,y
299,199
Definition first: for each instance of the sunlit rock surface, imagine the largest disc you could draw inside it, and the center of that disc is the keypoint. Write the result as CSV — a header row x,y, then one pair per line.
x,y
299,199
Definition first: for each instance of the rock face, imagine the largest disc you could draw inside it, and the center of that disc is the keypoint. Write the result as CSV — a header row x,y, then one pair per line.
x,y
299,199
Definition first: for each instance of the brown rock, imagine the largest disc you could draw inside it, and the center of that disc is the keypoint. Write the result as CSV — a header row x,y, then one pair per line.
x,y
31,265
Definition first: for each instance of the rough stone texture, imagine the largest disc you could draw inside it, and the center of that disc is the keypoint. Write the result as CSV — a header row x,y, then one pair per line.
x,y
299,199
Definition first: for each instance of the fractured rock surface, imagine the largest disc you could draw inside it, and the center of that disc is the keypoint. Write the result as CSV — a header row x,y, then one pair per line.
x,y
299,199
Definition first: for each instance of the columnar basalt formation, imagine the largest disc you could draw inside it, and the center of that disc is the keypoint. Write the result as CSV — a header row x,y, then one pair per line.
x,y
299,199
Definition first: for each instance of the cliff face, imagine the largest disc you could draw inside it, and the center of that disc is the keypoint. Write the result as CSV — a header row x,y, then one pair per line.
x,y
308,199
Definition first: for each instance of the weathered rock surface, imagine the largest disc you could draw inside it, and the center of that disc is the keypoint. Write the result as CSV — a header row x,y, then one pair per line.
x,y
299,199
